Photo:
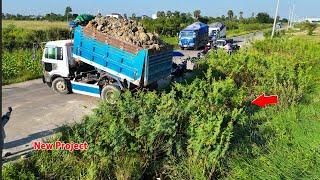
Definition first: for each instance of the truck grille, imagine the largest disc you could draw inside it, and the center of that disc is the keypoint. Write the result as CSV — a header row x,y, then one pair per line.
x,y
184,41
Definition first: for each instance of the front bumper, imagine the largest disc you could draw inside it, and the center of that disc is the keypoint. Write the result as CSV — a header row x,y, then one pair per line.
x,y
187,45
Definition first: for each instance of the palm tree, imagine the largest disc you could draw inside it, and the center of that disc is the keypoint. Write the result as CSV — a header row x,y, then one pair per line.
x,y
241,15
230,14
196,14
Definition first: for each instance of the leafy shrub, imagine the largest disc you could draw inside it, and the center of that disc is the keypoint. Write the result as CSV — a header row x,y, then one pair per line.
x,y
19,66
18,38
309,27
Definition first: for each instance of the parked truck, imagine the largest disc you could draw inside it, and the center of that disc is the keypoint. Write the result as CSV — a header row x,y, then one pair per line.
x,y
101,66
194,36
216,31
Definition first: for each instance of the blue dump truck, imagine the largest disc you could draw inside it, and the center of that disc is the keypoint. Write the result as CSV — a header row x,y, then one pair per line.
x,y
194,36
101,66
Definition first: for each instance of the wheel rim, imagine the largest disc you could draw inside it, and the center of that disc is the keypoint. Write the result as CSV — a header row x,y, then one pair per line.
x,y
61,86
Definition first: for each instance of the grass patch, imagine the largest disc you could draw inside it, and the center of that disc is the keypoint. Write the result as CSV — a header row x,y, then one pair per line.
x,y
18,66
292,147
171,40
244,29
282,143
35,25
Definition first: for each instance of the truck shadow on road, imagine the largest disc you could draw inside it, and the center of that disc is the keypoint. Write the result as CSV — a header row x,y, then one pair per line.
x,y
27,140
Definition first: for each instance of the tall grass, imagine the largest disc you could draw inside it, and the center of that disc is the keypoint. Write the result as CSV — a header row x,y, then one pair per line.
x,y
171,40
243,29
35,25
283,143
19,66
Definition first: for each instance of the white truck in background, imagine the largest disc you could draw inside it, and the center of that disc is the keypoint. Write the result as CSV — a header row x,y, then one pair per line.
x,y
216,31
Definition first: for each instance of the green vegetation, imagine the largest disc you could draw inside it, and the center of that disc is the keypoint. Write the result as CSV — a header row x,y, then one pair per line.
x,y
18,66
19,38
283,143
35,25
171,40
47,17
204,128
307,26
171,23
242,29
168,25
18,44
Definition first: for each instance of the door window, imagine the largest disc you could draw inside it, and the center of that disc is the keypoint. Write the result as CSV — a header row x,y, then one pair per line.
x,y
54,53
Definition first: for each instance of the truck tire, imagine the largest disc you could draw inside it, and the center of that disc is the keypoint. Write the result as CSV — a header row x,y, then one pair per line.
x,y
111,93
182,48
60,85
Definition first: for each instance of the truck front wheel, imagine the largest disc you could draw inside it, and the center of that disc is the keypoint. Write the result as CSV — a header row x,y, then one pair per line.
x,y
111,93
60,86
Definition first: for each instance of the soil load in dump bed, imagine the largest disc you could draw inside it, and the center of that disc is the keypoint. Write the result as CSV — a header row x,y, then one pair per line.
x,y
125,34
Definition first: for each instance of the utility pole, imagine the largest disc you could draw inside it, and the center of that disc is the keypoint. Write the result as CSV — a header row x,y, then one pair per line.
x,y
292,16
289,18
275,19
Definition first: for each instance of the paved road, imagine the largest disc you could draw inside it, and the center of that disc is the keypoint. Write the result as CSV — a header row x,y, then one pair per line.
x,y
246,39
38,111
242,41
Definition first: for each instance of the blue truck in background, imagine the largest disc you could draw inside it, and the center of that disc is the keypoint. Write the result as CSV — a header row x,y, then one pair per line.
x,y
101,66
194,36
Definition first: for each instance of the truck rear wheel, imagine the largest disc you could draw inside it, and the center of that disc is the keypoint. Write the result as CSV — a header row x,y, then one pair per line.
x,y
111,93
60,85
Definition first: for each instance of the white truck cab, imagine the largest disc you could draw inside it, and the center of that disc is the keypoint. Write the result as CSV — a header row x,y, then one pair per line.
x,y
57,60
216,31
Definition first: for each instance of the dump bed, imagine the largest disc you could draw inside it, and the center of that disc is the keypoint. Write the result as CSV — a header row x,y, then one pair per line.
x,y
120,59
197,26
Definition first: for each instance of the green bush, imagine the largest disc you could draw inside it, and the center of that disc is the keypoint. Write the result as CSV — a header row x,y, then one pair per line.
x,y
19,66
18,38
307,26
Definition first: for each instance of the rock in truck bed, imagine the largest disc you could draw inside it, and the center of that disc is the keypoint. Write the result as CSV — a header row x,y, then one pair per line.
x,y
127,31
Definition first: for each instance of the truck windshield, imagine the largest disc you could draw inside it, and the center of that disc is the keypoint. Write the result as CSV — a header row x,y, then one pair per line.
x,y
186,34
213,32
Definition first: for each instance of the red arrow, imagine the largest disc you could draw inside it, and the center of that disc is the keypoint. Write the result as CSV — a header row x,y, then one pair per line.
x,y
263,100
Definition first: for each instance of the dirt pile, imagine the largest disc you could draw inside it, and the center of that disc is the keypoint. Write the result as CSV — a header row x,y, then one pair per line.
x,y
129,31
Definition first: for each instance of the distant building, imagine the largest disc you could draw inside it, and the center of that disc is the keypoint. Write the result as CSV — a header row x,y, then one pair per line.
x,y
154,16
115,15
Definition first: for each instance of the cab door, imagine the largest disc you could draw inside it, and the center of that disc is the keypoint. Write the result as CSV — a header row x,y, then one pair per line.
x,y
55,61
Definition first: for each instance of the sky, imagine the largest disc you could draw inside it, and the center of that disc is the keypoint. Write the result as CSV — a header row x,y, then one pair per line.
x,y
303,8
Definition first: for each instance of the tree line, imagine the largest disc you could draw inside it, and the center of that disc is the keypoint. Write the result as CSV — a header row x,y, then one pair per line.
x,y
167,23
261,17
68,15
170,23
